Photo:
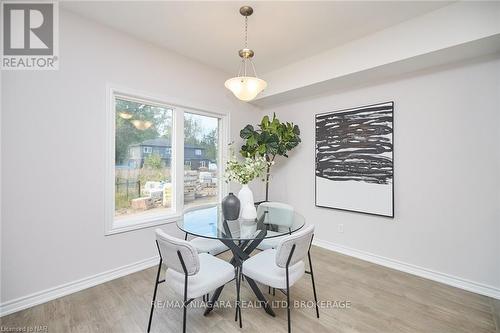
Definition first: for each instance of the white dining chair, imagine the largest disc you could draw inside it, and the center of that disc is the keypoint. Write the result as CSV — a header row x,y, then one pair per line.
x,y
282,267
208,245
190,274
278,214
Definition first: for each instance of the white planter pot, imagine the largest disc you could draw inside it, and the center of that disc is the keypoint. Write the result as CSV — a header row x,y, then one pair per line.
x,y
248,211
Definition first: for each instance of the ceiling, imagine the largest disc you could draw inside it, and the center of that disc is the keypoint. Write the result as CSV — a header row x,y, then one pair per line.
x,y
279,32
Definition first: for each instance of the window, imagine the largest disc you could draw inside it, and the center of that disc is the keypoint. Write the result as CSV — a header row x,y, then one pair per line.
x,y
201,132
143,183
146,184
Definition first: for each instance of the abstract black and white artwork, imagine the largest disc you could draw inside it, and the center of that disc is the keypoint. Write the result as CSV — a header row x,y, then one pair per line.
x,y
354,159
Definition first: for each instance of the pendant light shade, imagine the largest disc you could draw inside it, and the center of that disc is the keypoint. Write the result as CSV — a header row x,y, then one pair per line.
x,y
244,86
141,124
125,115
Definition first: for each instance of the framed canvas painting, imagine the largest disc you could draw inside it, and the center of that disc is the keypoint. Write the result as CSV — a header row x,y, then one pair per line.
x,y
354,159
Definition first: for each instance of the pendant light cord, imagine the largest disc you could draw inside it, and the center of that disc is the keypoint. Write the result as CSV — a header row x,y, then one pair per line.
x,y
243,66
246,31
244,62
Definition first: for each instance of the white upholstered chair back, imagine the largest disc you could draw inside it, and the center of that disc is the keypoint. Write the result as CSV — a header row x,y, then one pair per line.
x,y
301,239
278,213
169,246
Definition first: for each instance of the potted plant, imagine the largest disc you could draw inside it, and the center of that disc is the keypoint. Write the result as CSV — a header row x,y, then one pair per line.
x,y
243,172
272,138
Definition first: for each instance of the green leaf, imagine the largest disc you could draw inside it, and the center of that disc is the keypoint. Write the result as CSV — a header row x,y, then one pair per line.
x,y
264,137
251,141
265,121
247,132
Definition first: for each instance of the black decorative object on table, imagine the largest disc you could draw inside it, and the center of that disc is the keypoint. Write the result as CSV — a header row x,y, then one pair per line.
x,y
231,207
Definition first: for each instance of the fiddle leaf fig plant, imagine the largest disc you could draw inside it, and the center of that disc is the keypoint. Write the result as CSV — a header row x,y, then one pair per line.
x,y
271,138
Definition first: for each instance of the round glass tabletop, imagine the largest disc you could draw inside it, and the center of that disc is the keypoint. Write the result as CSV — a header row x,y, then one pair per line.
x,y
208,222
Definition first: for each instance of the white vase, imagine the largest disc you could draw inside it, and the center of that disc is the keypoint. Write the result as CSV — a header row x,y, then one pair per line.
x,y
248,211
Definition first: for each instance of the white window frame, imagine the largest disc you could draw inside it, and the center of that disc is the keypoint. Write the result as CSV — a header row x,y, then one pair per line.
x,y
197,152
146,150
177,156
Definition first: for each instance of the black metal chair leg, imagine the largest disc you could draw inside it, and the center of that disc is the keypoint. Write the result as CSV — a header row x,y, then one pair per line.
x,y
154,295
314,285
184,317
288,301
288,288
184,305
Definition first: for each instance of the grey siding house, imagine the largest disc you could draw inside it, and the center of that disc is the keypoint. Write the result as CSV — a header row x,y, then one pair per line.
x,y
194,156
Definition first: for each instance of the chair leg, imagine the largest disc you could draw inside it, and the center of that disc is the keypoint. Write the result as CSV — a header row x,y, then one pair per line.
x,y
314,285
154,296
184,320
288,301
184,305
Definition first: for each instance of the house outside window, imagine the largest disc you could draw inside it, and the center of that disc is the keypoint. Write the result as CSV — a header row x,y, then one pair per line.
x,y
147,150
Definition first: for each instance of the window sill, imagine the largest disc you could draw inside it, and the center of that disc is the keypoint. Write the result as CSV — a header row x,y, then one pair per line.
x,y
137,224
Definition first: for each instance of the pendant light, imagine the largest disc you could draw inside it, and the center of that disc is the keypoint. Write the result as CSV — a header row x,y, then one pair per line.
x,y
245,86
141,124
125,115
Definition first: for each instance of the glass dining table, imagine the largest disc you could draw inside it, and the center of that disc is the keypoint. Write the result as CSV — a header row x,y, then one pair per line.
x,y
240,236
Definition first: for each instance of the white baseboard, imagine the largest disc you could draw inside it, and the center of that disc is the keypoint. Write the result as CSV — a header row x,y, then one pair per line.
x,y
72,287
450,280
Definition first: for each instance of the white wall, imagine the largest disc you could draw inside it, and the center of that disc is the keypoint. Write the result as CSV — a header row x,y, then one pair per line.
x,y
53,152
447,172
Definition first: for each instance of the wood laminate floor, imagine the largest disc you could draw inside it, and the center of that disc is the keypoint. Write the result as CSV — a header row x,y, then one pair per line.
x,y
379,300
